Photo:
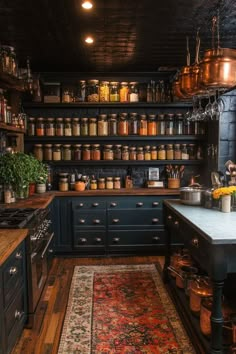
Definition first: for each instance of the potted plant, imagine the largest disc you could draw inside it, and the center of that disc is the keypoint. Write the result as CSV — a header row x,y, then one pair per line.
x,y
41,175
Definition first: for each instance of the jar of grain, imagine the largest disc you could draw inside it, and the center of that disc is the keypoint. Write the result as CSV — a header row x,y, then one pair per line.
x,y
153,152
66,152
117,152
75,127
50,127
132,153
117,184
170,124
108,153
40,127
112,124
38,152
140,153
92,90
125,152
123,125
114,91
93,184
95,152
142,124
56,152
161,124
177,152
147,152
152,125
31,126
133,92
84,127
104,91
59,127
109,183
92,126
47,152
63,185
77,152
124,92
86,153
169,152
133,124
184,152
67,127
102,125
161,152
101,183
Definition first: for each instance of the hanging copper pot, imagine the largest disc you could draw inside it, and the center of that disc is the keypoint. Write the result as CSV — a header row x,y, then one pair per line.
x,y
177,91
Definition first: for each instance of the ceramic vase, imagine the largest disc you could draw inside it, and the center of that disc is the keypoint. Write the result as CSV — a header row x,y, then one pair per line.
x,y
226,203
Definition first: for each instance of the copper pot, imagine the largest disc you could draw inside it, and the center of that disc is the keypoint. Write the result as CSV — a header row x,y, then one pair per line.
x,y
200,288
177,91
184,275
179,260
218,68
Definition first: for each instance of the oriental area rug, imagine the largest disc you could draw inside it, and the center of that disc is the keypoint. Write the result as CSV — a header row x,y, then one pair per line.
x,y
121,309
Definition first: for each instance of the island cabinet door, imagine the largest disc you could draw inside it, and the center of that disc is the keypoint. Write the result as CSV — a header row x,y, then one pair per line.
x,y
132,218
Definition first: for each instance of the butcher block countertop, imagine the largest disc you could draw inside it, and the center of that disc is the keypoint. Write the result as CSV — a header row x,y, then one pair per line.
x,y
9,240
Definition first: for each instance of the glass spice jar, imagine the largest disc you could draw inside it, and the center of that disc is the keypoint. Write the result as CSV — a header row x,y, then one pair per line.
x,y
170,124
67,127
117,152
56,152
114,91
140,153
95,152
38,152
192,151
161,124
133,124
86,152
142,124
59,127
102,125
117,183
125,153
161,152
123,125
92,90
108,153
179,124
66,152
169,152
147,152
112,124
92,126
124,92
80,94
40,127
31,126
152,125
104,91
101,183
84,127
47,152
153,152
63,185
177,152
77,152
132,153
133,92
50,127
109,183
75,127
93,184
184,152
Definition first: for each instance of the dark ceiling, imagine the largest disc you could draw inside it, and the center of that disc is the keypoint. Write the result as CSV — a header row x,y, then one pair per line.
x,y
130,35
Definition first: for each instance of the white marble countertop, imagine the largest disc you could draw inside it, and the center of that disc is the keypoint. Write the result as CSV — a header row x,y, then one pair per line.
x,y
220,228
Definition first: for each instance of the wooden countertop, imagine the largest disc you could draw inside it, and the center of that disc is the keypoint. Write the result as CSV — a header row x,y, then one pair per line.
x,y
9,240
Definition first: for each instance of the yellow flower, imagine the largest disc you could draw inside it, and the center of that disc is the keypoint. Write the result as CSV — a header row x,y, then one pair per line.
x,y
219,192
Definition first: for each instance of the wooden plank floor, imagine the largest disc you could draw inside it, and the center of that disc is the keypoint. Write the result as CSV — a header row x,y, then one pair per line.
x,y
45,336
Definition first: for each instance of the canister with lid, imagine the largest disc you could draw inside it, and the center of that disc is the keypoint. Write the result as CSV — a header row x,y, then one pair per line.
x,y
177,152
84,130
92,90
38,152
31,126
125,152
92,126
56,152
86,152
75,127
80,93
161,124
123,124
169,152
63,184
142,124
170,124
147,152
77,152
50,127
59,127
112,124
152,126
109,183
67,127
140,153
108,153
104,91
153,152
93,184
184,152
114,91
66,152
40,127
117,183
179,124
161,152
124,92
95,152
132,153
102,125
133,124
133,91
47,152
117,152
101,183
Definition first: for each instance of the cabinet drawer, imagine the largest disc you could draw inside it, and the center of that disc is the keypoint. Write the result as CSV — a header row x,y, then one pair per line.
x,y
89,203
136,237
135,203
13,275
145,217
89,240
83,219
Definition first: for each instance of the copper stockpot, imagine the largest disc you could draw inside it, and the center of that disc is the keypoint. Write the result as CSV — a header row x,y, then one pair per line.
x,y
185,273
200,288
178,260
218,68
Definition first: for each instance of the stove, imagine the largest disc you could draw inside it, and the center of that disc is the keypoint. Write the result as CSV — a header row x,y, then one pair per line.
x,y
14,218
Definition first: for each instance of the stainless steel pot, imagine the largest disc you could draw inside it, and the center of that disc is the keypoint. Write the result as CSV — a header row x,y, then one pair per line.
x,y
192,195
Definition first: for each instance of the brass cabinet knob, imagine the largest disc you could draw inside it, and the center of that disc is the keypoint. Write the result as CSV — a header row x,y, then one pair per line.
x,y
115,221
18,255
155,204
81,205
83,240
50,250
19,314
169,217
95,204
156,238
96,221
98,239
195,242
13,271
116,239
113,204
82,221
176,223
139,204
155,220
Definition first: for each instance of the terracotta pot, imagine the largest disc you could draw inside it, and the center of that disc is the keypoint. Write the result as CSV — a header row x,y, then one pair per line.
x,y
32,188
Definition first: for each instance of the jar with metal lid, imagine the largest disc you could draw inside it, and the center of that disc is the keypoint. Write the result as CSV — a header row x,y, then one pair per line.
x,y
66,96
93,184
47,152
123,124
188,126
101,183
104,91
112,124
56,152
77,152
67,127
50,127
117,152
38,152
161,124
63,185
102,125
177,152
199,153
109,183
92,126
179,124
169,152
40,127
142,124
152,125
147,152
108,153
133,124
170,124
140,153
184,152
117,183
31,126
95,152
125,153
124,92
92,90
161,152
75,127
80,92
66,152
192,151
59,127
153,152
133,91
86,152
114,91
84,127
132,153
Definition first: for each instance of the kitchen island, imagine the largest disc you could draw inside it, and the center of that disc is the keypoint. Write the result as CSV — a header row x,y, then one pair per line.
x,y
210,237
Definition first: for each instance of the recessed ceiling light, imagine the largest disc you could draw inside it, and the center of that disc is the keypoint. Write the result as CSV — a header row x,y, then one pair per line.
x,y
89,40
87,5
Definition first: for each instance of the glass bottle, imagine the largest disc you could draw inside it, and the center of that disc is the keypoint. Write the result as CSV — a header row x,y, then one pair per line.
x,y
102,125
153,152
125,153
38,152
170,124
80,93
114,91
188,127
140,153
184,152
84,127
63,184
50,127
112,124
104,91
179,124
92,126
117,184
56,152
109,183
152,126
147,152
92,91
169,152
124,92
101,183
95,152
123,124
161,152
132,153
177,152
142,124
47,152
161,124
93,184
86,152
66,152
67,127
108,153
75,127
40,127
192,151
59,127
77,152
133,92
133,124
31,126
117,152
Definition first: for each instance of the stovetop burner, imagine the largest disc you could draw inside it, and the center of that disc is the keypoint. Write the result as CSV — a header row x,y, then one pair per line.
x,y
16,218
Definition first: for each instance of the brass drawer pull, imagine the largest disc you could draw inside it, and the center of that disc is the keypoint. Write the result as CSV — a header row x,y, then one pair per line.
x,y
169,217
115,221
81,205
98,239
95,204
82,221
18,255
83,240
156,238
155,220
176,223
13,271
50,250
155,204
195,242
116,239
113,204
139,204
97,221
19,314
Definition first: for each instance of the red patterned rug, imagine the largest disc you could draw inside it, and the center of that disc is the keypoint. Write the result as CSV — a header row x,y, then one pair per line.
x,y
121,309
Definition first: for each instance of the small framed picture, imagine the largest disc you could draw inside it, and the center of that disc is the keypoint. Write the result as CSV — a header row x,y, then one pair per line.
x,y
153,174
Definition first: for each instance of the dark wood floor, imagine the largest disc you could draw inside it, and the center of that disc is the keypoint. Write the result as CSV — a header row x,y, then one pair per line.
x,y
44,337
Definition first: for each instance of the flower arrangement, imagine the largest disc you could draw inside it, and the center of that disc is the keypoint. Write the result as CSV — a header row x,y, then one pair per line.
x,y
220,192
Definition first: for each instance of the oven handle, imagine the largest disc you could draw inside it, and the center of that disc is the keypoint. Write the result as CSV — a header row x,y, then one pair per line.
x,y
46,247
